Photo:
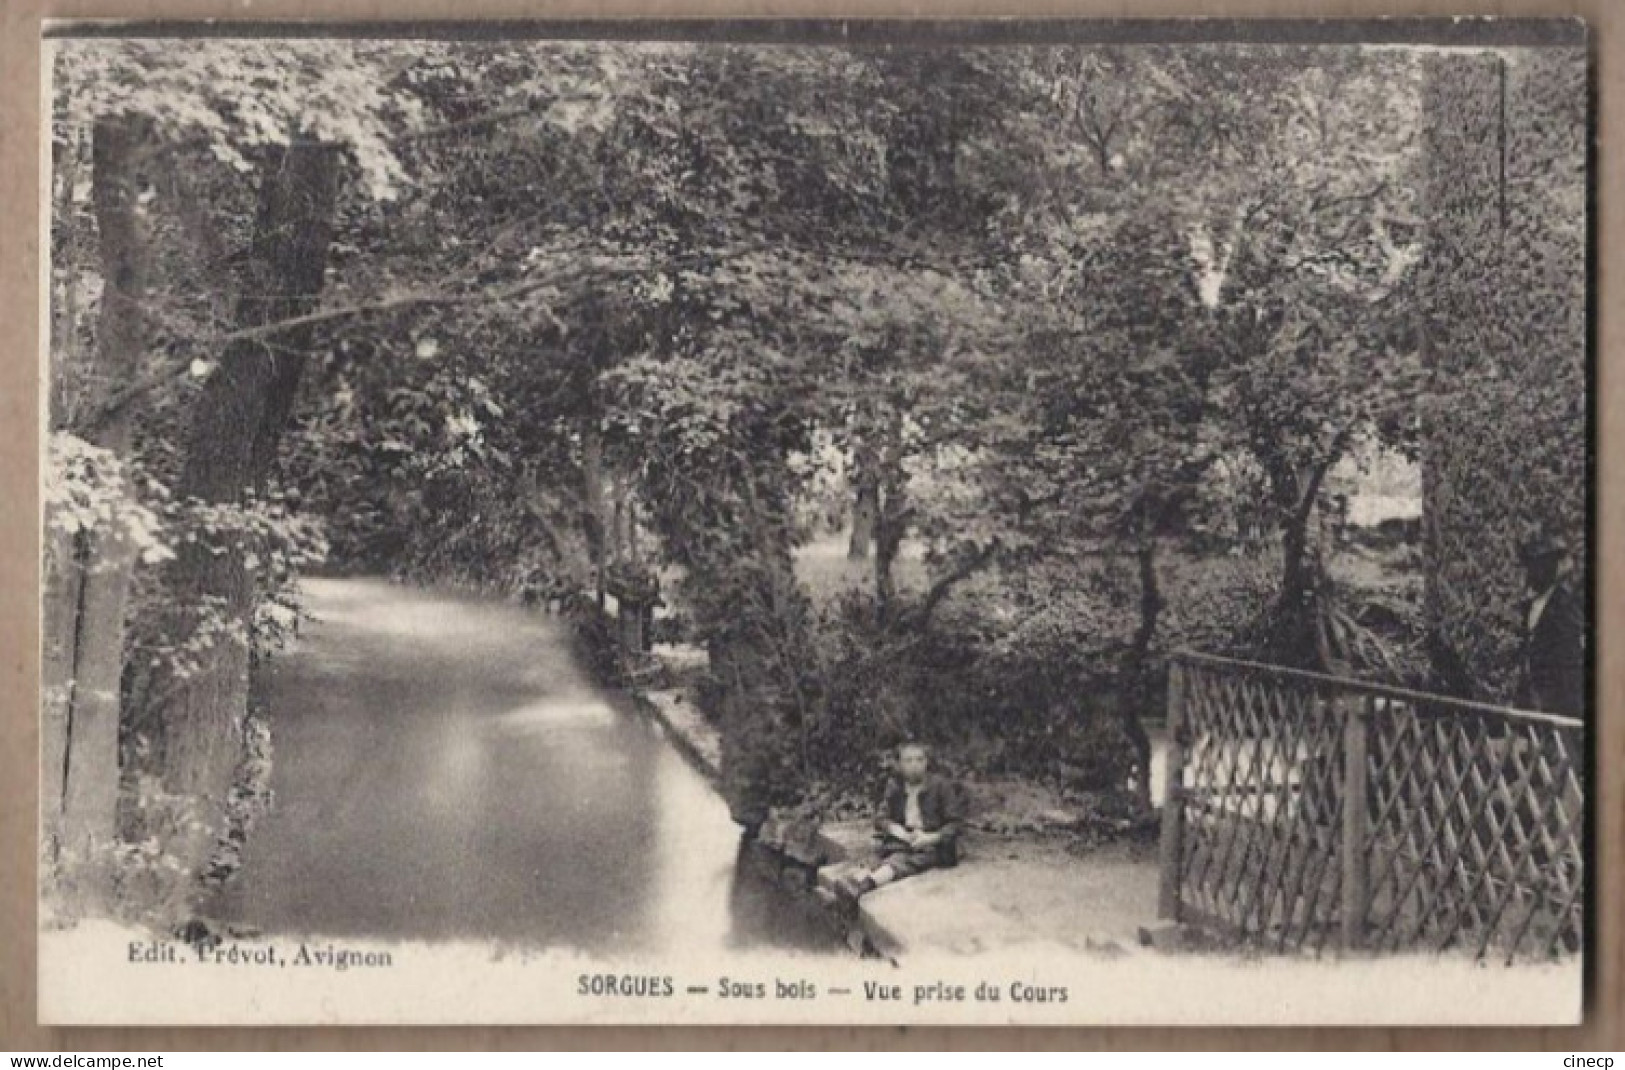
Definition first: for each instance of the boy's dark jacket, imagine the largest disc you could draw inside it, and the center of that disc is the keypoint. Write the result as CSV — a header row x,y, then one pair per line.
x,y
942,810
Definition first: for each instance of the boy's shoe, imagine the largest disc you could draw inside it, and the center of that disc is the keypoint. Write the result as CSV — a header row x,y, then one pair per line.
x,y
852,884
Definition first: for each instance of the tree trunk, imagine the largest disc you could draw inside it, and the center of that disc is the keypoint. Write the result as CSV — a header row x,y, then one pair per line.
x,y
617,520
887,544
634,554
1296,628
865,503
1137,672
59,626
1294,562
592,518
88,583
236,427
90,768
892,514
66,304
84,658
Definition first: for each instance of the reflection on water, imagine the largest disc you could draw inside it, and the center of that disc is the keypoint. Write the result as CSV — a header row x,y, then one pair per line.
x,y
445,769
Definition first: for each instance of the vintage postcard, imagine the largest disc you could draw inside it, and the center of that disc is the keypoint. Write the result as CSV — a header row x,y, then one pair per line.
x,y
1045,522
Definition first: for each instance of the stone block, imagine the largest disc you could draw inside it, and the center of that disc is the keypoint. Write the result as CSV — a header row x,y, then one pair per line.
x,y
802,844
846,841
794,878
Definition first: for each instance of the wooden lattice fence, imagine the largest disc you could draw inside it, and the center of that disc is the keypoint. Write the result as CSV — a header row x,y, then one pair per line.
x,y
1305,810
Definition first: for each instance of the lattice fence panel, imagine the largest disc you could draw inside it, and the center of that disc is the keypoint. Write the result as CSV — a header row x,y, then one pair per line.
x,y
1467,832
1477,831
1261,810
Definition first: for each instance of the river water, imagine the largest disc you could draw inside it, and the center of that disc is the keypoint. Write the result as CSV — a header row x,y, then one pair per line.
x,y
445,769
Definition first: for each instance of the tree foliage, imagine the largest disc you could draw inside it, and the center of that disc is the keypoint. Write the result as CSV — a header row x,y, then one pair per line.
x,y
1068,322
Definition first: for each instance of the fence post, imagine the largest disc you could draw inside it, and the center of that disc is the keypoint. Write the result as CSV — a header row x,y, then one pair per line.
x,y
1356,821
1173,801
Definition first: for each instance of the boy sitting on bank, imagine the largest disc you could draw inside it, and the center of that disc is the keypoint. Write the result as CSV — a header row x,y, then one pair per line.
x,y
918,823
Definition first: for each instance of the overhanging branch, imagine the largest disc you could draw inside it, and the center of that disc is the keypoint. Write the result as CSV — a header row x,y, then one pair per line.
x,y
967,567
582,266
119,399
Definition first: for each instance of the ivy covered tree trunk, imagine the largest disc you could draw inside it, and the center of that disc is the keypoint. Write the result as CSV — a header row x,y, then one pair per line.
x,y
758,643
88,577
747,607
1502,297
238,421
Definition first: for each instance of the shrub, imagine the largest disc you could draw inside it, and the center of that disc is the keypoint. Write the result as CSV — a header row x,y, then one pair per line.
x,y
1015,674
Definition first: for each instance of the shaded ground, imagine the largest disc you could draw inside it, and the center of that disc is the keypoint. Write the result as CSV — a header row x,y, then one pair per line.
x,y
1014,893
445,769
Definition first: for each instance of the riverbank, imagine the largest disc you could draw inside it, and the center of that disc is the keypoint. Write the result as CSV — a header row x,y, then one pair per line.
x,y
1033,873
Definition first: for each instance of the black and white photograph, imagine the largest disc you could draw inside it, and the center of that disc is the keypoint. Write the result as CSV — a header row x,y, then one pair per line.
x,y
816,522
